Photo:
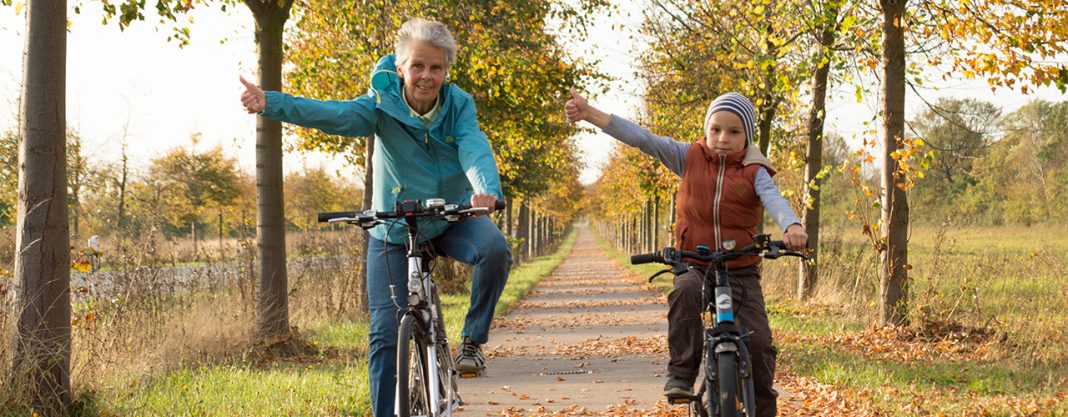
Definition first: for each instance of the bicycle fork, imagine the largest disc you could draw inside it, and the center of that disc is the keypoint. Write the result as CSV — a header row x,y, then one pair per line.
x,y
729,342
726,336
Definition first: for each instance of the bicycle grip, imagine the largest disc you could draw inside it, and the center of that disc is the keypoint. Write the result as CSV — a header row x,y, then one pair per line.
x,y
326,217
646,258
499,205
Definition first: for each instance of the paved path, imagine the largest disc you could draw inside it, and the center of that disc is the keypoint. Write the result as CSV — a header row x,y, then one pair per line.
x,y
590,340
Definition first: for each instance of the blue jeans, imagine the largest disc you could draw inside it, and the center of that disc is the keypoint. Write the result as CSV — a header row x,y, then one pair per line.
x,y
476,241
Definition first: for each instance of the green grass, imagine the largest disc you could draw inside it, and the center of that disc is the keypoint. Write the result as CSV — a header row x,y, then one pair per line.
x,y
331,382
996,279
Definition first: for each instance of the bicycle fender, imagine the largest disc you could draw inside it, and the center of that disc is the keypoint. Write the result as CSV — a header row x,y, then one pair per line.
x,y
725,346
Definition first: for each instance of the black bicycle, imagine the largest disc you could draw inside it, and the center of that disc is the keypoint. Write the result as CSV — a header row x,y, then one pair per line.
x,y
728,369
426,372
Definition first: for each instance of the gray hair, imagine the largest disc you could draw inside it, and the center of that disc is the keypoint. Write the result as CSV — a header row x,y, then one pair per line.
x,y
433,32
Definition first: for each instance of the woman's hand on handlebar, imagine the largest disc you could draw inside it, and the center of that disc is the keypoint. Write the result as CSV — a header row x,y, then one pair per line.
x,y
488,201
795,238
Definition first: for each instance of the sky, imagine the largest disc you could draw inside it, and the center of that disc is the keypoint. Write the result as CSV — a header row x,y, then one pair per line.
x,y
159,94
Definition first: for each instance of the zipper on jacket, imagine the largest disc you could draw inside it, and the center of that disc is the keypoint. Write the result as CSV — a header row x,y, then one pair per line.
x,y
426,139
719,193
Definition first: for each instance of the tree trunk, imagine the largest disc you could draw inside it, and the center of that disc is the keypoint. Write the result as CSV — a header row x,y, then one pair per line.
x,y
42,342
656,222
895,210
272,305
769,103
647,220
193,231
220,228
368,194
74,181
535,224
523,229
767,115
808,271
673,217
122,187
508,217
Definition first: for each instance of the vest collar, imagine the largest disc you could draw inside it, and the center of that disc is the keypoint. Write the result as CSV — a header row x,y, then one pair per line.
x,y
748,156
712,156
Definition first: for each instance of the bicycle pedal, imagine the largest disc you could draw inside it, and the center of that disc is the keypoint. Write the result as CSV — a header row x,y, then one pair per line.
x,y
467,375
679,400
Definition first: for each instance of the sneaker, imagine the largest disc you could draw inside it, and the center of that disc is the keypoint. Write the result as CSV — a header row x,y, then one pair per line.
x,y
678,387
470,359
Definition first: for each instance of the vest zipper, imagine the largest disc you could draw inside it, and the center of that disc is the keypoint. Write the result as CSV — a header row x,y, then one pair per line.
x,y
719,193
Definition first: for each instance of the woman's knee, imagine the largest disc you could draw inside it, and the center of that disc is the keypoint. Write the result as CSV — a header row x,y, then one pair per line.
x,y
497,250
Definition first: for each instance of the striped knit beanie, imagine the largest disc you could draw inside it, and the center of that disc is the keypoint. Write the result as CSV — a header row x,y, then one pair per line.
x,y
737,104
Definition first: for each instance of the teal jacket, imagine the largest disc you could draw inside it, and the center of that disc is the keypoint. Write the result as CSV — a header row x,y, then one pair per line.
x,y
450,160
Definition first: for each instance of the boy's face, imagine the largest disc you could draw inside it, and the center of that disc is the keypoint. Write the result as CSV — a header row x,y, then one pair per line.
x,y
726,134
423,72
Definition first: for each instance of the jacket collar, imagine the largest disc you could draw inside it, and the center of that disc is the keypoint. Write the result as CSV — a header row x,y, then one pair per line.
x,y
386,88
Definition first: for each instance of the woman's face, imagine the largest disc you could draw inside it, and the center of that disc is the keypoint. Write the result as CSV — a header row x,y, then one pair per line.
x,y
726,134
423,73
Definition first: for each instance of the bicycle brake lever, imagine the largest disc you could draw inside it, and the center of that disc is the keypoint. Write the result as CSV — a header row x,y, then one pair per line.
x,y
652,277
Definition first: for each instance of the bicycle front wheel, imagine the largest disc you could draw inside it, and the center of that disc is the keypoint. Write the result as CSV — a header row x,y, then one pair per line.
x,y
726,394
413,393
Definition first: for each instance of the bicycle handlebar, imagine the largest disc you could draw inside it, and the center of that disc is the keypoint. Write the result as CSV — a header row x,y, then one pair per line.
x,y
765,248
410,208
328,216
646,258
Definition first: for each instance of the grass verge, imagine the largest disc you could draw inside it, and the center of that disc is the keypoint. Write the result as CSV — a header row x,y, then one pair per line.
x,y
905,371
330,378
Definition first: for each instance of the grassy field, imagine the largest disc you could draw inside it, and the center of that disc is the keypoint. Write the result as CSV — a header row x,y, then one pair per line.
x,y
224,377
328,379
987,333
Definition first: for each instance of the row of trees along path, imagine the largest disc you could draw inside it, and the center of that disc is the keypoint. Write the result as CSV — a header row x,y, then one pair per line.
x,y
591,339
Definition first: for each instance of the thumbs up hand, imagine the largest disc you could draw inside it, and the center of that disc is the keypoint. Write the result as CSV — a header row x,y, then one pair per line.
x,y
254,99
576,108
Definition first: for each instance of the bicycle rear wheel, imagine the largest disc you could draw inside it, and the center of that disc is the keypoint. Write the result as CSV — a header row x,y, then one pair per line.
x,y
413,393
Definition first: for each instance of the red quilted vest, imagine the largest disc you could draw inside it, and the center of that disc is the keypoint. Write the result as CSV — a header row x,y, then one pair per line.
x,y
717,202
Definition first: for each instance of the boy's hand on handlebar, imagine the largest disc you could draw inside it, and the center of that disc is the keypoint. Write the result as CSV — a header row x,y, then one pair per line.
x,y
795,238
254,99
484,200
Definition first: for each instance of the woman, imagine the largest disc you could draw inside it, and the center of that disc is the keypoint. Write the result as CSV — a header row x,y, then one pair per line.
x,y
428,145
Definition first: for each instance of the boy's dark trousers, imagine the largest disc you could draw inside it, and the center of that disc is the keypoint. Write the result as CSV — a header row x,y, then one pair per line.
x,y
686,329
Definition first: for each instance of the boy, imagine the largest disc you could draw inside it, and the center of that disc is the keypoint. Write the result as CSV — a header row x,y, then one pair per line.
x,y
725,181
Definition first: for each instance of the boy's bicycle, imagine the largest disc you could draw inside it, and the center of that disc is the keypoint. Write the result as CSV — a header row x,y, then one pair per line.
x,y
426,372
728,380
